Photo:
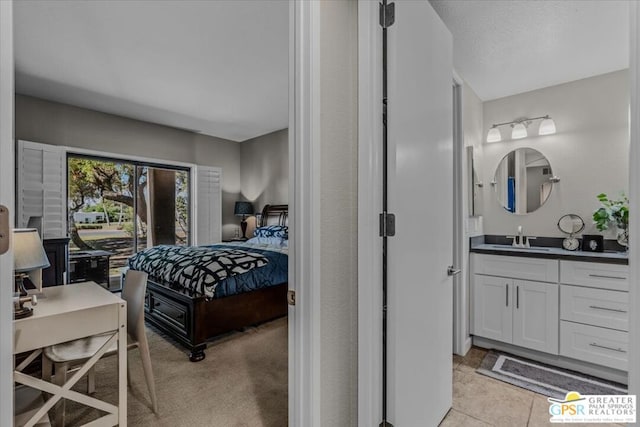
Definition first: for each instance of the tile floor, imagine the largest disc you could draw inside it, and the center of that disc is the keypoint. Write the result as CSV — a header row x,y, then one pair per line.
x,y
482,401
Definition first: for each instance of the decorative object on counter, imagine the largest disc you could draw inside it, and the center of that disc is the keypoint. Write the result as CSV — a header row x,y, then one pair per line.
x,y
613,212
519,128
571,224
523,181
243,209
592,243
28,255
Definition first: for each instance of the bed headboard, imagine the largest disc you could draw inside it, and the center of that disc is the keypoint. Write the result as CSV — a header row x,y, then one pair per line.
x,y
274,215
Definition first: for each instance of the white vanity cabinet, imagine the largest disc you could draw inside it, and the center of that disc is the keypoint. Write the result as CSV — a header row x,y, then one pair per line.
x,y
492,307
574,310
535,320
508,308
594,312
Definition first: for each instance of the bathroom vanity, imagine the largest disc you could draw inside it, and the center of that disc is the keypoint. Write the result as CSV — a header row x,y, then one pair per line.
x,y
567,308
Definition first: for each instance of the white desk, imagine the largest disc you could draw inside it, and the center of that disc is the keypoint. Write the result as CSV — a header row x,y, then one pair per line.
x,y
66,313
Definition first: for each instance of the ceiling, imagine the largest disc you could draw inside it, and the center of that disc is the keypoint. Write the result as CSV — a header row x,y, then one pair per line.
x,y
502,48
214,67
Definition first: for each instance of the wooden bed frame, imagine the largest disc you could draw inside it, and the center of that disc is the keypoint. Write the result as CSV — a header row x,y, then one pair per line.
x,y
191,319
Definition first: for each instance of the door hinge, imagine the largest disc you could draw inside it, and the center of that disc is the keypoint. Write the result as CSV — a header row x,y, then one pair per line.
x,y
291,297
387,14
387,224
5,233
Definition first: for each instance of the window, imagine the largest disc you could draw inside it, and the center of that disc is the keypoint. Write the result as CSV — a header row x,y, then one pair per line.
x,y
122,207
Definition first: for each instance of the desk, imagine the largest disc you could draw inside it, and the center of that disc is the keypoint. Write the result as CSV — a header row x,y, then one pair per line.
x,y
66,313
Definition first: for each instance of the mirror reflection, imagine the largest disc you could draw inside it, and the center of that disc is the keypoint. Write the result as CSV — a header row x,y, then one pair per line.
x,y
571,224
475,186
522,181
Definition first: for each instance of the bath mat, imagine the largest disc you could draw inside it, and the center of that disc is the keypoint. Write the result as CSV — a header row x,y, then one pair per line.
x,y
548,380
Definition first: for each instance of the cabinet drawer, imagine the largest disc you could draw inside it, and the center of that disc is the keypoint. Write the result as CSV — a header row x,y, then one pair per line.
x,y
536,269
593,344
595,275
597,307
169,313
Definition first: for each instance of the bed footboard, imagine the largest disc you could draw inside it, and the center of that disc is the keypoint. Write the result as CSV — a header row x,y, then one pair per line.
x,y
192,320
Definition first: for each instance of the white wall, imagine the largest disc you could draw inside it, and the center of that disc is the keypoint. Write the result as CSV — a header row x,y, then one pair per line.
x,y
338,213
589,152
472,123
634,205
472,137
54,123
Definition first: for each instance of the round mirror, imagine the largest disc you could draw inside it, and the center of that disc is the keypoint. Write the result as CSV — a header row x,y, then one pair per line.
x,y
571,224
523,181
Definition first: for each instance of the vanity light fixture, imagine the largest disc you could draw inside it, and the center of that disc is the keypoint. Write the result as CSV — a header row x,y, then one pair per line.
x,y
519,128
547,126
519,131
494,134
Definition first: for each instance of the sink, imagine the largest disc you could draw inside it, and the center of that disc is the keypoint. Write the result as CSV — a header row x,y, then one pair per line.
x,y
513,248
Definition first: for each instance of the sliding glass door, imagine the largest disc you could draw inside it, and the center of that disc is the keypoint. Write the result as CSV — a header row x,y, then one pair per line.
x,y
162,206
117,208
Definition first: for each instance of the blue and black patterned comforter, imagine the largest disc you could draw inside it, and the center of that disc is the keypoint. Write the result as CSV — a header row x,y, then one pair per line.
x,y
214,271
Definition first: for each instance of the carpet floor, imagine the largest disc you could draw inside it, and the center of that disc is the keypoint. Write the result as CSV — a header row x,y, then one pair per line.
x,y
544,379
242,382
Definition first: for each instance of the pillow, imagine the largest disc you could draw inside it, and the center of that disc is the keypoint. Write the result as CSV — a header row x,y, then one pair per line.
x,y
271,241
281,231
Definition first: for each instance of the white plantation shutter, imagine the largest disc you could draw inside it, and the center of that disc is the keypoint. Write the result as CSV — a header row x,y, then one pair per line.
x,y
41,184
208,205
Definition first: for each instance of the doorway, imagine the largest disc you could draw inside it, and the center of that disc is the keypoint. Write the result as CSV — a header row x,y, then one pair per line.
x,y
100,131
369,47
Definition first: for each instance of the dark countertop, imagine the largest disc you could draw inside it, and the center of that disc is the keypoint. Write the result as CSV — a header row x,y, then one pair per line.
x,y
610,257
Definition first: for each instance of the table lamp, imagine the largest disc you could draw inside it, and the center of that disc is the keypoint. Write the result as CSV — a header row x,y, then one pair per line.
x,y
243,209
28,255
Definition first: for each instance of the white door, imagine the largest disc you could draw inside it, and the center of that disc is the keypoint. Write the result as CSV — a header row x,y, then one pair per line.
x,y
535,315
420,306
492,307
7,191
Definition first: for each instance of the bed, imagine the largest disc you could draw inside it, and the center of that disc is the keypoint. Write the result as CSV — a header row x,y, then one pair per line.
x,y
191,315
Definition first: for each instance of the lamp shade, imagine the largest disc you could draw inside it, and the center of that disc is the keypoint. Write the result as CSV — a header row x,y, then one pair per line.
x,y
494,135
547,127
28,252
519,131
243,208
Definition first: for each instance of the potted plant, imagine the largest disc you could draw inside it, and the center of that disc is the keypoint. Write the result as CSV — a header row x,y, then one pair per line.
x,y
613,212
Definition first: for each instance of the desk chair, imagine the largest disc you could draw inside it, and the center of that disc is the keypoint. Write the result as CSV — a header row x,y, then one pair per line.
x,y
65,355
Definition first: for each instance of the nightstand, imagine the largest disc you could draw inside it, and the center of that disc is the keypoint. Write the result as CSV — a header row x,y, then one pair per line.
x,y
89,265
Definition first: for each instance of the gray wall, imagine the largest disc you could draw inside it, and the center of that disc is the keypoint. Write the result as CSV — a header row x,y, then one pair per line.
x,y
264,169
50,122
589,152
338,212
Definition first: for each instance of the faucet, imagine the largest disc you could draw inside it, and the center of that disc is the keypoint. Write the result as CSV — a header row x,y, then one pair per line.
x,y
520,240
